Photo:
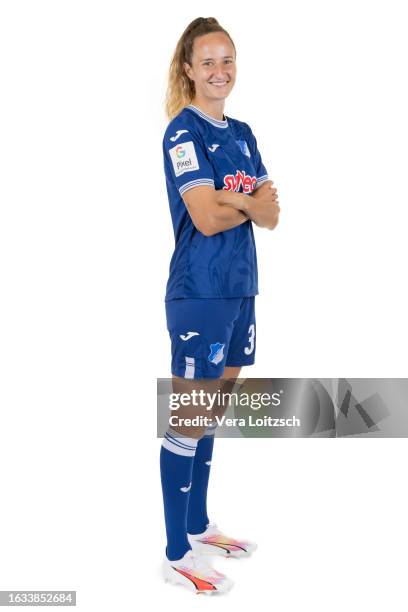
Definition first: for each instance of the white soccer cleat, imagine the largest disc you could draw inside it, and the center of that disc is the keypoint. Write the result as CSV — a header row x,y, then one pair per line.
x,y
214,542
195,574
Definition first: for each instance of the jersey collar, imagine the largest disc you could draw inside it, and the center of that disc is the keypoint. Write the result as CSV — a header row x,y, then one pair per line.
x,y
215,122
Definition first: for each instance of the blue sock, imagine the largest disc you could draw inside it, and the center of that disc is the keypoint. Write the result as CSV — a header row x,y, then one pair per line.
x,y
197,517
176,466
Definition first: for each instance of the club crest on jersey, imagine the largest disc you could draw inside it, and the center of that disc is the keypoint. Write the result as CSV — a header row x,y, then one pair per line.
x,y
184,158
217,353
244,147
233,182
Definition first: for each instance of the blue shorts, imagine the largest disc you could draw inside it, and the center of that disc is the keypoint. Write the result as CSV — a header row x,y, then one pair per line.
x,y
208,334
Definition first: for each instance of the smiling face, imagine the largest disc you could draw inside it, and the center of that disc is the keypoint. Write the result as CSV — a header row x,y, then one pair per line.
x,y
213,68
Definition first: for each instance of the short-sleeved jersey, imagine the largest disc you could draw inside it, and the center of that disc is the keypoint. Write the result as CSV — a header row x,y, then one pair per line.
x,y
200,150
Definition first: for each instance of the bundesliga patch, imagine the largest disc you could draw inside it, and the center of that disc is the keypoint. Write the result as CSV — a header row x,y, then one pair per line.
x,y
244,147
184,158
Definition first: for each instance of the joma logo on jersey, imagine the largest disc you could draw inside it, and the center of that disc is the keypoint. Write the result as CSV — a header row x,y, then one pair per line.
x,y
233,182
184,158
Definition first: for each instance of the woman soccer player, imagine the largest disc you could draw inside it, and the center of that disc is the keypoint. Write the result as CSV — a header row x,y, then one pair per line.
x,y
217,186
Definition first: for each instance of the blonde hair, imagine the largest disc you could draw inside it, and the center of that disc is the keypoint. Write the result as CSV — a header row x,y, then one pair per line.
x,y
180,89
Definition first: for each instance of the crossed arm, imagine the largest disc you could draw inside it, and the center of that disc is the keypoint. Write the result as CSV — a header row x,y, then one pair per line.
x,y
261,206
214,211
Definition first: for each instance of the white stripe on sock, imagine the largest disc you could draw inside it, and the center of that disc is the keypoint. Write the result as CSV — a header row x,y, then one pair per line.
x,y
180,445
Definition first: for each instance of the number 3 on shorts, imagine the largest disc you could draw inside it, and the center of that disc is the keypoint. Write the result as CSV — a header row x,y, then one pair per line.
x,y
251,331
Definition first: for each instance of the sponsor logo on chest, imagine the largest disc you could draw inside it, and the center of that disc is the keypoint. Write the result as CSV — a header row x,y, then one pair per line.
x,y
233,182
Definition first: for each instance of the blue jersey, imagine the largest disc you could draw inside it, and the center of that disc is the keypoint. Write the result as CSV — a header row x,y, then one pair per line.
x,y
200,150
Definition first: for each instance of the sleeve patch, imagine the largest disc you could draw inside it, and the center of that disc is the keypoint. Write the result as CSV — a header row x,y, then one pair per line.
x,y
184,158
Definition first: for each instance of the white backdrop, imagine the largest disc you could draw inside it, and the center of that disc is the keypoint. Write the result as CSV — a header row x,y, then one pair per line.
x,y
85,244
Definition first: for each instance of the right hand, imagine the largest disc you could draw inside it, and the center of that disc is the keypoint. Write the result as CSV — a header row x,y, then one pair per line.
x,y
267,203
266,190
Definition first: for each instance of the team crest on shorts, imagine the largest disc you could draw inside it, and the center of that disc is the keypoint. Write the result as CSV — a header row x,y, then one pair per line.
x,y
217,353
